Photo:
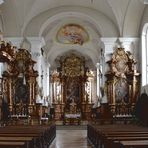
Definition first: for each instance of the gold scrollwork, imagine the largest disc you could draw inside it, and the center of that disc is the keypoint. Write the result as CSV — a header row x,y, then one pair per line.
x,y
73,66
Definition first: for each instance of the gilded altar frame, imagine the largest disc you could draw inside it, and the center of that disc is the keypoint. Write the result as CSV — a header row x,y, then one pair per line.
x,y
72,76
18,80
122,82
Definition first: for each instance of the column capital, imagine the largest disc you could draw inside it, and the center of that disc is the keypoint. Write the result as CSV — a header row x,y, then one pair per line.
x,y
36,54
36,43
37,40
127,42
109,44
16,41
109,41
97,65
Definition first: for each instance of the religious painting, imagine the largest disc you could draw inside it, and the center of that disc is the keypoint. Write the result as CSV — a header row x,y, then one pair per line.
x,y
72,90
21,91
72,34
121,91
73,70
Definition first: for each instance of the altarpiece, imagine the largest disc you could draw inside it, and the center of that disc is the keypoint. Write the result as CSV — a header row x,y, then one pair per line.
x,y
18,83
123,83
72,78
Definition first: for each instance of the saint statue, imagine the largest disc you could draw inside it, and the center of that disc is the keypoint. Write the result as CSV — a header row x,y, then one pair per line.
x,y
73,106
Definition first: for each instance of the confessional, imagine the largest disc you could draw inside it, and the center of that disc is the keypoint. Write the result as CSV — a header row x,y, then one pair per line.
x,y
18,85
71,78
122,83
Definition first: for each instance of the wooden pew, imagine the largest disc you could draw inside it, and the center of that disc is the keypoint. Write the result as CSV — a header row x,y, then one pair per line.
x,y
108,136
32,136
134,144
38,135
105,135
32,139
112,139
12,144
28,140
114,142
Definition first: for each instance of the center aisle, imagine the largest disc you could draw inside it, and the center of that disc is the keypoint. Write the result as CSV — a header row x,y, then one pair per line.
x,y
70,139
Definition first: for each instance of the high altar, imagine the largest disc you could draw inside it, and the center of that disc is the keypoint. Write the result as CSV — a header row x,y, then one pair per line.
x,y
71,80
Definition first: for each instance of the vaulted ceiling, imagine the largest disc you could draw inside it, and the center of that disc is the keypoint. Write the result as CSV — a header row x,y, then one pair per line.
x,y
100,18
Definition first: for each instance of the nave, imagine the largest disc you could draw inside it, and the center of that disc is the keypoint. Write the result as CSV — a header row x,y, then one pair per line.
x,y
68,138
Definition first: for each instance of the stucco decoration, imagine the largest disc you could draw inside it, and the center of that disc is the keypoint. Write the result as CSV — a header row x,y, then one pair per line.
x,y
72,34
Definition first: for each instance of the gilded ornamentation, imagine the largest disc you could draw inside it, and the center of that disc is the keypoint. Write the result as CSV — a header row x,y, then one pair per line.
x,y
73,66
7,52
119,62
20,80
68,88
122,82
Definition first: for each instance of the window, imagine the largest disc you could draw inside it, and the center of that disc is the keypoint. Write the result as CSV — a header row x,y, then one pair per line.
x,y
144,58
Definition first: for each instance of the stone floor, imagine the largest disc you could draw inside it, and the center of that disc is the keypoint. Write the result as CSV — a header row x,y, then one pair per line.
x,y
70,139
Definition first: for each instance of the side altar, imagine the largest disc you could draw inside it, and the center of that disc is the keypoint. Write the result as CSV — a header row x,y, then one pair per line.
x,y
18,86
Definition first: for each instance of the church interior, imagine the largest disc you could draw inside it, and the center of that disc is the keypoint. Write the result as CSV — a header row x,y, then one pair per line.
x,y
73,73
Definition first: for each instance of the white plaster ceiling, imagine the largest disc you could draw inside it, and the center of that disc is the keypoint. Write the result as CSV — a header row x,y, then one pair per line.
x,y
101,18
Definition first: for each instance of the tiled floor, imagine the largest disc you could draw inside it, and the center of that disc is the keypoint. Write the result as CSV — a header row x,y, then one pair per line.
x,y
70,139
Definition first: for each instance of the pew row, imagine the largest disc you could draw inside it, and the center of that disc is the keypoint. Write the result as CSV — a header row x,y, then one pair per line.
x,y
117,136
27,136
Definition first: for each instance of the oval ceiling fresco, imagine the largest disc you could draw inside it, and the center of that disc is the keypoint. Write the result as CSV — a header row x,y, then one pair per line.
x,y
72,34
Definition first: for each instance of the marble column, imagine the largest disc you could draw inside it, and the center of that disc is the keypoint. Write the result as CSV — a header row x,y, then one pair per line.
x,y
48,80
36,44
98,79
144,68
108,47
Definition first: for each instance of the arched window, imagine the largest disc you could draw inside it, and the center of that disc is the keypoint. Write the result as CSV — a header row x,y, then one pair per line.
x,y
144,59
